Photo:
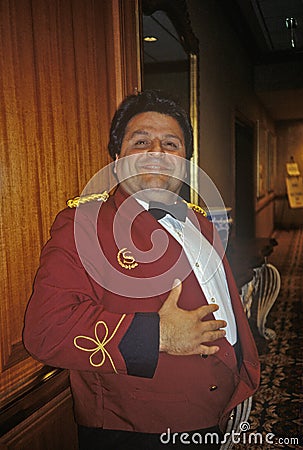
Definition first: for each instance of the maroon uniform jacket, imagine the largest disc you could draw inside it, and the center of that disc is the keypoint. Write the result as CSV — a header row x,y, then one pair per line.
x,y
109,340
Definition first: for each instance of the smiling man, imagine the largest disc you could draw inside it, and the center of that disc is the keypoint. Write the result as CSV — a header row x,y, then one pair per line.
x,y
153,332
156,143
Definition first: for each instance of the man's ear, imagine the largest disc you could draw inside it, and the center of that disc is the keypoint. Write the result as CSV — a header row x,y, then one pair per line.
x,y
115,165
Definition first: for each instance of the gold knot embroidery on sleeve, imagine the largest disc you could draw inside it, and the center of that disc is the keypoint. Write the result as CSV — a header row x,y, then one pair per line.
x,y
99,346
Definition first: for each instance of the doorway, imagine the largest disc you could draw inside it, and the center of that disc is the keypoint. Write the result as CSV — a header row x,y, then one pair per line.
x,y
170,64
244,179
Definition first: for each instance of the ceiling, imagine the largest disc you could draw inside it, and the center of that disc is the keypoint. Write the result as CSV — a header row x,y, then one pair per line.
x,y
167,47
275,48
274,27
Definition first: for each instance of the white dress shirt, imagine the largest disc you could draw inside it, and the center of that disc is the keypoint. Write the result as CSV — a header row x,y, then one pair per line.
x,y
207,267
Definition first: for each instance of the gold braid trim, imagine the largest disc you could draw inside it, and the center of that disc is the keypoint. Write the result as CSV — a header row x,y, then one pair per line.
x,y
99,345
197,208
76,201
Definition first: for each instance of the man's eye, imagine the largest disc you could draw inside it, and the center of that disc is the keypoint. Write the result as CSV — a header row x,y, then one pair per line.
x,y
170,145
141,143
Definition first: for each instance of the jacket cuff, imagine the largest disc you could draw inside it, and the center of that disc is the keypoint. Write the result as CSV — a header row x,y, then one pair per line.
x,y
140,345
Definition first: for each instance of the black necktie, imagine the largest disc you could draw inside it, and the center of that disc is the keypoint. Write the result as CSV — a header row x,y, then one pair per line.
x,y
159,210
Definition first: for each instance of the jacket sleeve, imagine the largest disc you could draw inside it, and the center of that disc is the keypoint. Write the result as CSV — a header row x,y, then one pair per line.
x,y
66,324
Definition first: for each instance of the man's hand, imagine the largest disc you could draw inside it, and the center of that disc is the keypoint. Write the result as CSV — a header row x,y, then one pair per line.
x,y
183,332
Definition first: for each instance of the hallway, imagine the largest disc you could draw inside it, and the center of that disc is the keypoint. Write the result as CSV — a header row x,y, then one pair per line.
x,y
277,404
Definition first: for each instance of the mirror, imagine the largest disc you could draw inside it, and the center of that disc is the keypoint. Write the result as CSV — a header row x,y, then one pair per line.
x,y
170,63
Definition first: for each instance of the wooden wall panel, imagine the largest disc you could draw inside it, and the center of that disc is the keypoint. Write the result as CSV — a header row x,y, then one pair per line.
x,y
52,427
20,234
64,69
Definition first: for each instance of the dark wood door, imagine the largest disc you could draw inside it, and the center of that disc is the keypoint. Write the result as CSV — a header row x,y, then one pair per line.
x,y
245,200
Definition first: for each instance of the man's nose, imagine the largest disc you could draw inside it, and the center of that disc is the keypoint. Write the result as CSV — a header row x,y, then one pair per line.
x,y
156,147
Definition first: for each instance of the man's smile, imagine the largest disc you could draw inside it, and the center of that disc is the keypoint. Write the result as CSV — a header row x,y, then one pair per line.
x,y
154,167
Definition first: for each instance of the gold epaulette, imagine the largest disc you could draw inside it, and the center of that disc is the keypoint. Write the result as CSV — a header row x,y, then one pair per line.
x,y
197,208
76,201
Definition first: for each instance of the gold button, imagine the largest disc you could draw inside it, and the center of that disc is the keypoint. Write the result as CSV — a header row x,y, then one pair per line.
x,y
213,300
197,264
213,388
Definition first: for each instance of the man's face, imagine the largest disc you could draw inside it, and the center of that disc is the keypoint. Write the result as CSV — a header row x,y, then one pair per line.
x,y
153,156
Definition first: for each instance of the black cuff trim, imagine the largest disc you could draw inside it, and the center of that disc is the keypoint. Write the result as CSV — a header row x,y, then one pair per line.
x,y
140,345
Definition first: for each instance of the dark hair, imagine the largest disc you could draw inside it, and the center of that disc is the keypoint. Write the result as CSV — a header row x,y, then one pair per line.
x,y
149,100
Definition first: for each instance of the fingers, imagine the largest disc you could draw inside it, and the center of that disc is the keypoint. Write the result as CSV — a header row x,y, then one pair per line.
x,y
173,297
176,290
204,310
213,325
211,330
204,350
184,332
176,283
209,336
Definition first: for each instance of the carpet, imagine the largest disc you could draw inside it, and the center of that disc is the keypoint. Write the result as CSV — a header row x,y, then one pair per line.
x,y
276,417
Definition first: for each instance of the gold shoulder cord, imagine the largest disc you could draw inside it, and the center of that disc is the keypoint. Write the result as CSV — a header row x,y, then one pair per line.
x,y
197,208
76,201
